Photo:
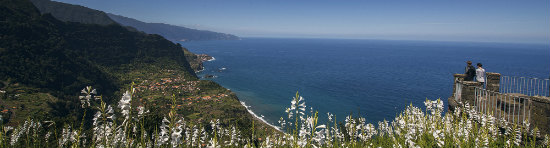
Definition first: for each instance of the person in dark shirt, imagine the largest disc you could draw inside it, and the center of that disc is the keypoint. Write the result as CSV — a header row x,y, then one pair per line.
x,y
470,72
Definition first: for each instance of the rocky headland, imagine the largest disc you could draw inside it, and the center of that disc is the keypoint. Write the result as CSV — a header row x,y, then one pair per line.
x,y
196,60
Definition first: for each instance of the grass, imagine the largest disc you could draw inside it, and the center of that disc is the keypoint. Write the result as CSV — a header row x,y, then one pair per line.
x,y
20,102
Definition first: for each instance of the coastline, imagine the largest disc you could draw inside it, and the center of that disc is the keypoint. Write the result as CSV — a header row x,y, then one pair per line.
x,y
258,117
207,58
211,58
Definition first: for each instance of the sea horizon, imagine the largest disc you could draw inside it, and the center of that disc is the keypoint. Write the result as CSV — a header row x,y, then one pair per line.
x,y
386,39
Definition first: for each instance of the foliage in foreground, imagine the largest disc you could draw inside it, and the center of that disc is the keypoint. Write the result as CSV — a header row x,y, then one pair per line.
x,y
123,126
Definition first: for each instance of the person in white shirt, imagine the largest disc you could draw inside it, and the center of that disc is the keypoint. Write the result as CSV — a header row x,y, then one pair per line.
x,y
480,74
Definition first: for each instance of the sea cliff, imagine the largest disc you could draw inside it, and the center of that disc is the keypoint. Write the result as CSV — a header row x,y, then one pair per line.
x,y
196,60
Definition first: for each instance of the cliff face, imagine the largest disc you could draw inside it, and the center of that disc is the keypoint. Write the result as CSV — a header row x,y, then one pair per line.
x,y
171,32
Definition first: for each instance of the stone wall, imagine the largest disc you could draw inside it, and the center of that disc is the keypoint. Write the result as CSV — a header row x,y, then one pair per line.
x,y
466,95
540,113
468,91
493,81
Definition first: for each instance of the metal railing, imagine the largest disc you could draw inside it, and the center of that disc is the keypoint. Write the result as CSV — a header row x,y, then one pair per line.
x,y
510,108
510,103
525,86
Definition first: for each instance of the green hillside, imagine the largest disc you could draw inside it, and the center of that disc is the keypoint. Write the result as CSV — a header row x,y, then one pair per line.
x,y
45,63
44,52
73,13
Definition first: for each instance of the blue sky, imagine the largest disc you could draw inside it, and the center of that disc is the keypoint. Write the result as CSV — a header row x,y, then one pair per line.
x,y
461,20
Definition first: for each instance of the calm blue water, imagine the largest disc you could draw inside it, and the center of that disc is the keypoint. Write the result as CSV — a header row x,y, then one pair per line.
x,y
375,78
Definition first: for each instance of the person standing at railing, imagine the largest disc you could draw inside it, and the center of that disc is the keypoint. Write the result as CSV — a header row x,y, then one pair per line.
x,y
470,72
480,74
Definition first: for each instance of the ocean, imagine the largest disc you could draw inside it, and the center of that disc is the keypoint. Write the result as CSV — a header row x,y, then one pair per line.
x,y
375,79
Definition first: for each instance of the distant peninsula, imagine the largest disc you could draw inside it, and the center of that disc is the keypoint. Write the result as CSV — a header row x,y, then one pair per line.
x,y
171,32
80,14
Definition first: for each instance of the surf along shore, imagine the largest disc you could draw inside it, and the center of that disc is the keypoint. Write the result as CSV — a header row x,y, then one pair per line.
x,y
196,61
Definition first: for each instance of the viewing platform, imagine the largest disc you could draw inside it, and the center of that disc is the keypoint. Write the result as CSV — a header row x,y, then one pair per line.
x,y
517,101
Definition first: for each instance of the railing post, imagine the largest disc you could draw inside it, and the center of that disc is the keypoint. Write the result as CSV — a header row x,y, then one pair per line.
x,y
500,107
475,99
524,107
514,110
509,108
548,88
522,85
530,104
494,112
531,85
493,104
485,101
